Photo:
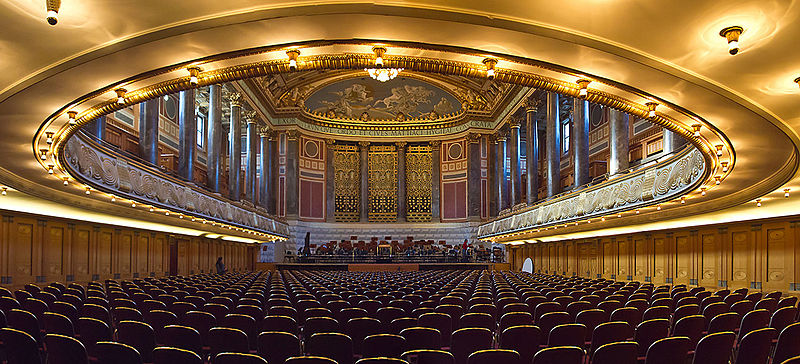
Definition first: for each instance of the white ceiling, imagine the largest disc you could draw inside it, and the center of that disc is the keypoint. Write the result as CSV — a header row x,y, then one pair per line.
x,y
669,49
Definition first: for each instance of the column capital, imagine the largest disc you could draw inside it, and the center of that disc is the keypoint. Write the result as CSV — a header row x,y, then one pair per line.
x,y
249,116
473,138
531,104
363,144
235,99
401,145
265,132
513,123
435,144
293,134
501,136
330,142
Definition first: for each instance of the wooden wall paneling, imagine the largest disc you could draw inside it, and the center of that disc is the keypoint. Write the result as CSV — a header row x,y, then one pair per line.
x,y
724,258
183,255
583,259
742,263
606,261
66,262
639,246
37,258
758,256
682,249
142,258
53,251
21,241
194,253
81,249
660,258
795,236
708,258
125,255
778,256
4,242
624,258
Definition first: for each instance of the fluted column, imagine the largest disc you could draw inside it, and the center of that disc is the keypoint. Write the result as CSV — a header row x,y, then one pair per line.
x,y
148,131
235,148
187,134
618,159
671,142
292,170
330,187
401,181
214,138
502,183
251,151
435,179
363,150
532,151
474,177
516,166
553,145
580,141
265,180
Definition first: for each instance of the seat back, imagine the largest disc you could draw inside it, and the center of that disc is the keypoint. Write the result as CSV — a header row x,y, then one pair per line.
x,y
117,353
20,347
714,348
648,332
494,356
384,345
331,345
559,355
466,341
422,338
622,352
277,346
669,350
567,335
754,347
171,355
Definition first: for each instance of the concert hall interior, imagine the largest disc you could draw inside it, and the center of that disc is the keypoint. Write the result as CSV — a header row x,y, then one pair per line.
x,y
399,182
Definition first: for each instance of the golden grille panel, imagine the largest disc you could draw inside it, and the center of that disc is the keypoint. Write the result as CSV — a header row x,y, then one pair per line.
x,y
346,184
419,164
382,164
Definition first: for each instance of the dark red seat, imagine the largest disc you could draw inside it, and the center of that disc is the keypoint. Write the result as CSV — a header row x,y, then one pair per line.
x,y
559,355
469,340
755,346
224,339
691,327
714,348
20,347
117,353
276,346
567,335
384,345
238,358
494,356
336,346
171,355
649,332
622,352
429,357
422,338
669,350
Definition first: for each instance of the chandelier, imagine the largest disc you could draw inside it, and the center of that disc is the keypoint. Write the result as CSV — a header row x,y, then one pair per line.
x,y
383,74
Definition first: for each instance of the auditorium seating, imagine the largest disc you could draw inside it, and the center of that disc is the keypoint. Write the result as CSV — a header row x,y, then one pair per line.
x,y
445,316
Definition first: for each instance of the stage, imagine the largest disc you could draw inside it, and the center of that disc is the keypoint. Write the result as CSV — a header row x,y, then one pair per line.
x,y
378,267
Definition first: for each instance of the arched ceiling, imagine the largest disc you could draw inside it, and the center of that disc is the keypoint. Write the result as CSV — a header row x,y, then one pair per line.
x,y
672,51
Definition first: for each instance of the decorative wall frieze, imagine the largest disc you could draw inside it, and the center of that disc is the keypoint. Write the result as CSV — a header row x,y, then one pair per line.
x,y
107,171
662,182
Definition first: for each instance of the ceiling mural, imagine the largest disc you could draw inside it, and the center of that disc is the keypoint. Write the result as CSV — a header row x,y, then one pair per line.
x,y
400,98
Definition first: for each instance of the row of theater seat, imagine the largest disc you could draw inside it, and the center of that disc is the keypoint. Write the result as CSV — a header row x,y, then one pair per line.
x,y
462,317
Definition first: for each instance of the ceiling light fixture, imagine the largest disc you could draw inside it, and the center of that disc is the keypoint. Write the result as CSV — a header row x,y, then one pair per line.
x,y
88,190
758,202
683,200
379,52
724,166
3,190
786,192
113,198
50,169
44,154
52,11
651,109
133,204
490,63
637,211
49,137
717,180
696,128
66,181
293,54
658,207
702,191
72,115
719,149
732,35
120,95
797,81
603,219
151,209
194,72
383,74
584,87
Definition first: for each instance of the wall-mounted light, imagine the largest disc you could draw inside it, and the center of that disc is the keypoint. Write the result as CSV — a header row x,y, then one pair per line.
x,y
732,35
619,215
658,207
50,169
49,137
293,54
683,200
151,209
66,181
651,109
113,198
52,11
702,191
584,87
719,149
786,192
696,129
637,211
88,190
602,219
724,166
490,63
120,95
379,52
44,154
717,180
166,213
758,202
194,72
71,115
133,204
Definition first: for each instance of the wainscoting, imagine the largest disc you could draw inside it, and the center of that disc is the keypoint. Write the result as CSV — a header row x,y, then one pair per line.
x,y
45,249
759,254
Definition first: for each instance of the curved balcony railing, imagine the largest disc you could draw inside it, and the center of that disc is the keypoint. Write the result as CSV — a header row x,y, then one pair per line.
x,y
664,181
110,171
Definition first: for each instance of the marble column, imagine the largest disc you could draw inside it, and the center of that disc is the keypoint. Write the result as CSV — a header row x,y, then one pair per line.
x,y
502,183
214,138
580,141
292,170
435,179
272,183
187,134
97,127
363,151
516,165
494,161
251,151
148,131
265,180
618,159
553,145
532,151
671,142
474,177
330,187
401,182
235,148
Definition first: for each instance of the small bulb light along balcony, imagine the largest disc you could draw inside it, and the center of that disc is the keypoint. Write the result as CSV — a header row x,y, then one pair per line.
x,y
651,109
72,115
120,95
584,87
293,54
52,11
731,34
490,63
194,73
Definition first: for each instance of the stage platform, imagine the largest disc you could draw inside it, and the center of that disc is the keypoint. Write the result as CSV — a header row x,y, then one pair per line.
x,y
378,267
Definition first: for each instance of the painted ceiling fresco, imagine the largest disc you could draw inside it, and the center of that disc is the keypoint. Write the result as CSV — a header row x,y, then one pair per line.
x,y
352,98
